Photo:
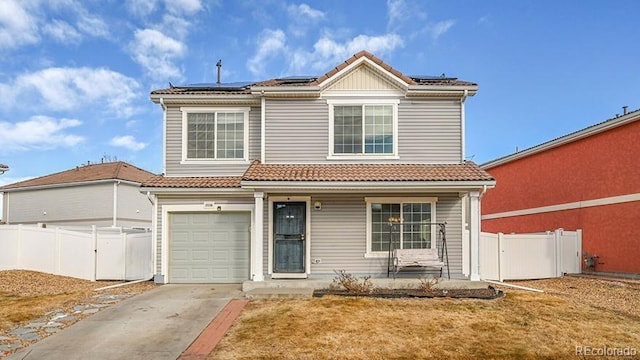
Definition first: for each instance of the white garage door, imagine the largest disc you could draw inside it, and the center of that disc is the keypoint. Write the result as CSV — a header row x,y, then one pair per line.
x,y
209,247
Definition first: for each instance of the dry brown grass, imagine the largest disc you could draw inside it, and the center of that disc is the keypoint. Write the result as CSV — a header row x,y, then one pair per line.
x,y
27,295
520,325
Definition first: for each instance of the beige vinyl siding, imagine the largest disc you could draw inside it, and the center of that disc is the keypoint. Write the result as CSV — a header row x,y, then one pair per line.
x,y
75,205
174,148
296,131
134,208
364,78
163,200
339,234
429,131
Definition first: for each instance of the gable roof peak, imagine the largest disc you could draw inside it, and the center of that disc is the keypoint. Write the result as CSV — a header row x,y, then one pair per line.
x,y
369,56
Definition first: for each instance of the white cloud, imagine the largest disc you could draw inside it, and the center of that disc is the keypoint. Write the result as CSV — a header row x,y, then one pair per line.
x,y
62,32
128,142
303,18
441,27
141,8
18,25
39,132
186,7
328,51
64,89
175,25
86,21
92,25
305,11
270,43
404,15
157,53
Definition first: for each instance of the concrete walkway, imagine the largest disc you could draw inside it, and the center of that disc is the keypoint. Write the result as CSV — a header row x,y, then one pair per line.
x,y
159,324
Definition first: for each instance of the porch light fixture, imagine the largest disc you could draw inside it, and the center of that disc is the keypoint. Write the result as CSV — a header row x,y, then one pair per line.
x,y
317,205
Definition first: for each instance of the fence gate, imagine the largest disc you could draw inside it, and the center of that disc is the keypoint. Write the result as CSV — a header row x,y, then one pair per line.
x,y
530,256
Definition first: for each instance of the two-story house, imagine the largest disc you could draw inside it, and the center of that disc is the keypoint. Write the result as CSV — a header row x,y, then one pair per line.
x,y
298,177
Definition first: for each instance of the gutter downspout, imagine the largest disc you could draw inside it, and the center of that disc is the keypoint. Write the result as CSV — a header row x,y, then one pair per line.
x,y
154,234
462,123
115,204
164,136
263,120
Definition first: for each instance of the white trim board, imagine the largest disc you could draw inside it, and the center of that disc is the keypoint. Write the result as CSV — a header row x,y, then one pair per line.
x,y
566,206
307,270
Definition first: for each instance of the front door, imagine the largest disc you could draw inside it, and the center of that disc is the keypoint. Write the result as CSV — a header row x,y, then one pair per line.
x,y
289,229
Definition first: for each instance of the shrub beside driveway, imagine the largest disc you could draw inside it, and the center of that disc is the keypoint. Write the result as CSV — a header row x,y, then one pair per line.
x,y
521,325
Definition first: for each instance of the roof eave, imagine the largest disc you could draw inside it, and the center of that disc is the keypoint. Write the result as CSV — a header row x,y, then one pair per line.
x,y
69,184
298,91
192,190
581,134
439,90
181,98
438,186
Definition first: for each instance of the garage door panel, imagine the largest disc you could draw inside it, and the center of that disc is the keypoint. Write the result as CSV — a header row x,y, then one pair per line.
x,y
200,255
180,236
209,247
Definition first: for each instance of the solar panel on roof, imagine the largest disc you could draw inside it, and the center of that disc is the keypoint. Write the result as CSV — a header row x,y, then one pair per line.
x,y
430,78
222,86
425,77
296,79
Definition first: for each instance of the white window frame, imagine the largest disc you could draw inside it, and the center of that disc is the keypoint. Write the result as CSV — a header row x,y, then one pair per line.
x,y
207,110
361,102
397,200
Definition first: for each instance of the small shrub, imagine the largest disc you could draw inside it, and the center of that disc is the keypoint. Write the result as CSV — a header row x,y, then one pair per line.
x,y
351,283
426,284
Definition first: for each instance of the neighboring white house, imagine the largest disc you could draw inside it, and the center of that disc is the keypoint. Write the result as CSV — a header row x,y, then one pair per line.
x,y
105,194
299,176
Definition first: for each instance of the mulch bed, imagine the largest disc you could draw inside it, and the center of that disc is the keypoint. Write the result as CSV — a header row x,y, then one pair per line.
x,y
487,294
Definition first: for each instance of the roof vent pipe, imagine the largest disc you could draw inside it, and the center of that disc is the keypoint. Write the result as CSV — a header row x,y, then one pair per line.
x,y
219,65
624,108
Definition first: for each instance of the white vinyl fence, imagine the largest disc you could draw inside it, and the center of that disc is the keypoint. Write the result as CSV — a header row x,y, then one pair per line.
x,y
85,253
530,256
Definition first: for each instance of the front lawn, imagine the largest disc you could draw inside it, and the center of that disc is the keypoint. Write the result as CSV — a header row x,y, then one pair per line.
x,y
519,325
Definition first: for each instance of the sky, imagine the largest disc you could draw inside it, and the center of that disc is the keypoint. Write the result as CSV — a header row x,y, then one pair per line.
x,y
75,76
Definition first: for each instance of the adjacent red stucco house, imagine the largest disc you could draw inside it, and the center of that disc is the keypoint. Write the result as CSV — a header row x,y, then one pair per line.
x,y
588,180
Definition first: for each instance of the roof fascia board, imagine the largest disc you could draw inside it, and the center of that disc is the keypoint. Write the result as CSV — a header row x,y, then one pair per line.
x,y
71,184
441,91
580,134
181,98
194,191
401,83
368,185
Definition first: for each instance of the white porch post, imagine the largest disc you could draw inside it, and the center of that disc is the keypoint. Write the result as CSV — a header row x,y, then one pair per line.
x,y
474,235
257,237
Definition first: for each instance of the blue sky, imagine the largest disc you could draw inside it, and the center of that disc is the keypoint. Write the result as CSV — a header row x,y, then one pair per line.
x,y
75,76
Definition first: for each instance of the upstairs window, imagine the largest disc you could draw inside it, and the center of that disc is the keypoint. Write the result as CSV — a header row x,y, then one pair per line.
x,y
363,129
215,134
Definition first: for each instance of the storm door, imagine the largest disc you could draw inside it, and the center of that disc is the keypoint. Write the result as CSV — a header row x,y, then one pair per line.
x,y
289,229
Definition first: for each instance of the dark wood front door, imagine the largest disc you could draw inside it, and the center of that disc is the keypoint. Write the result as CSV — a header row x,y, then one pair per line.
x,y
289,229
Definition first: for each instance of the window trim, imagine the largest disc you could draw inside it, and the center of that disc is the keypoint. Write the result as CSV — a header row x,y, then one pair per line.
x,y
362,102
207,110
396,200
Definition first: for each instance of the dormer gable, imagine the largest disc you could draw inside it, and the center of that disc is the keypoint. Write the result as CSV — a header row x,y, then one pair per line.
x,y
363,72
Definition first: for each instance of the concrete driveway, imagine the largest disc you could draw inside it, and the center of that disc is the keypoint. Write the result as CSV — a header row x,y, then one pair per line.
x,y
158,324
